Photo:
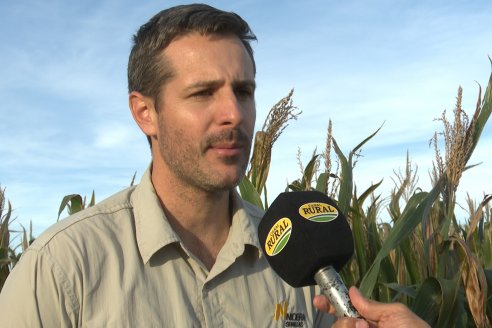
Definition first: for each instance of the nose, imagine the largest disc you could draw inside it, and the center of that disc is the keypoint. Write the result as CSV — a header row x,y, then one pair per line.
x,y
230,110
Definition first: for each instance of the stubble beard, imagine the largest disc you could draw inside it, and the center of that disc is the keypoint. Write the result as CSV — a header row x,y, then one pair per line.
x,y
187,161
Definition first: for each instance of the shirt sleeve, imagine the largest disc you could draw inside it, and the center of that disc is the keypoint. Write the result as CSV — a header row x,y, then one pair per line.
x,y
37,294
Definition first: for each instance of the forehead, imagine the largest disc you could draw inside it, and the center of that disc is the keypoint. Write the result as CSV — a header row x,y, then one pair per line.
x,y
198,54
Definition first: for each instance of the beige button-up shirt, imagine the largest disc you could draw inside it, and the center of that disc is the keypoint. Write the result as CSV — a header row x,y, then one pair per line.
x,y
119,264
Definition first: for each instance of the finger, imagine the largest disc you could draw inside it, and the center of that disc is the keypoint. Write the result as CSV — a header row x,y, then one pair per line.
x,y
369,309
350,322
385,314
321,303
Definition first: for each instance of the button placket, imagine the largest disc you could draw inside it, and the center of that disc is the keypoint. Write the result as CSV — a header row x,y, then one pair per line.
x,y
211,306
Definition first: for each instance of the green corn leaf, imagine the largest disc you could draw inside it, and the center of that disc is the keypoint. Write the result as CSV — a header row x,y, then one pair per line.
x,y
485,110
131,183
346,178
4,255
415,212
93,197
295,186
401,290
76,204
348,274
368,192
411,265
437,301
387,274
73,202
309,172
364,142
471,166
374,239
345,190
265,198
322,183
488,276
394,205
249,193
25,241
4,272
64,204
4,227
360,238
428,301
31,237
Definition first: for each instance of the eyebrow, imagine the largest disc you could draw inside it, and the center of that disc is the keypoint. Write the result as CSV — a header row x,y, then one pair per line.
x,y
205,84
217,83
245,83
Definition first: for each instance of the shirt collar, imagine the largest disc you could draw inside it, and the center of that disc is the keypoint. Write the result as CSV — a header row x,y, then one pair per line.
x,y
245,221
154,232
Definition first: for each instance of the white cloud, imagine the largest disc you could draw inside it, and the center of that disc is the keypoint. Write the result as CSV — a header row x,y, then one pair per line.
x,y
114,135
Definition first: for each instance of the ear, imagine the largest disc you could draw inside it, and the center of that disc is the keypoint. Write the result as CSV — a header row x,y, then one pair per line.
x,y
144,113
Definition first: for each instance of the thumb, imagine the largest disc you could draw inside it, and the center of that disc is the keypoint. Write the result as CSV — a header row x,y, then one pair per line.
x,y
385,314
369,309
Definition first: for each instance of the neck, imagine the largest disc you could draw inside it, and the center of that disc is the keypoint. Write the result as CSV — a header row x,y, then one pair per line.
x,y
201,219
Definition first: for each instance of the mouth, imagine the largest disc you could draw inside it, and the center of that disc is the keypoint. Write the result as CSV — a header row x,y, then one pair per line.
x,y
227,149
229,143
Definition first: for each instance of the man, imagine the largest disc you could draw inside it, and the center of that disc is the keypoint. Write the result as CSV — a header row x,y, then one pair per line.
x,y
180,249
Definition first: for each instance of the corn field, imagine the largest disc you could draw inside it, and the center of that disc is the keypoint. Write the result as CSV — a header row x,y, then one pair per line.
x,y
423,257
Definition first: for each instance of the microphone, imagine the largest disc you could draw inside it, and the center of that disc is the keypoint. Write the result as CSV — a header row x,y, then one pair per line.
x,y
306,240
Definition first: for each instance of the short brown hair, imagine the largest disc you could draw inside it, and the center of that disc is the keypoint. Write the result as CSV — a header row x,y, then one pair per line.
x,y
147,71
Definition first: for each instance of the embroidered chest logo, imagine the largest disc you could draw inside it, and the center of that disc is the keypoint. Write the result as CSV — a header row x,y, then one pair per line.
x,y
290,319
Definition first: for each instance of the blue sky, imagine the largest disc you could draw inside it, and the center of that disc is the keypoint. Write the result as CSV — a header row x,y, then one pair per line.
x,y
65,126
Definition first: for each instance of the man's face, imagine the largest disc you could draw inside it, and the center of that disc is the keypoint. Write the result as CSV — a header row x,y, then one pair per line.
x,y
206,111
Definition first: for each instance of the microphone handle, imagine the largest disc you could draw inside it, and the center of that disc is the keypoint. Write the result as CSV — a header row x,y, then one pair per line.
x,y
334,289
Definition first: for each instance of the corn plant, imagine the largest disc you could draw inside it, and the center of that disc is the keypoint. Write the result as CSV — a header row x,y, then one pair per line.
x,y
12,240
9,254
74,203
426,249
423,257
5,251
276,121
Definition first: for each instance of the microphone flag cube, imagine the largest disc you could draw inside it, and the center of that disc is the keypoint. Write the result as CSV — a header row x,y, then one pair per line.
x,y
302,232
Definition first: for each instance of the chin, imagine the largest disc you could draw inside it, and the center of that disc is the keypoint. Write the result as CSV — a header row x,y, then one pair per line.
x,y
228,184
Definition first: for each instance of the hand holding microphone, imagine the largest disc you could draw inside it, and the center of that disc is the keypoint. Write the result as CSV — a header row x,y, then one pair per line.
x,y
377,314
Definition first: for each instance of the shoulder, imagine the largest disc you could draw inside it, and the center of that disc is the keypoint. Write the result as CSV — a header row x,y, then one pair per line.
x,y
77,249
104,216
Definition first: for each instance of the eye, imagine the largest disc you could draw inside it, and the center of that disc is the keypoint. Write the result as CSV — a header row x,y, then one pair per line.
x,y
203,93
245,92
